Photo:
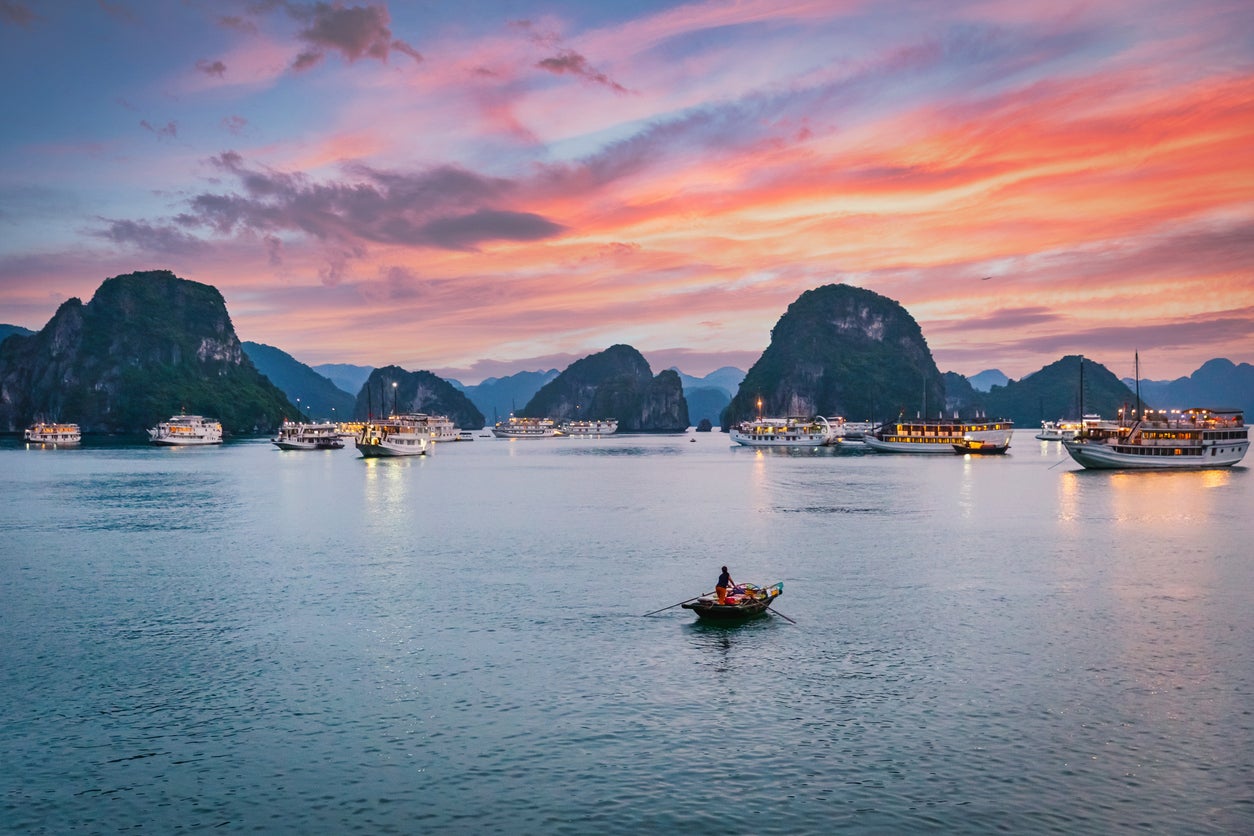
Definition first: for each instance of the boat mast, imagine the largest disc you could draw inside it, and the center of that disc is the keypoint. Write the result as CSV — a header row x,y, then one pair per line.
x,y
1140,410
1081,390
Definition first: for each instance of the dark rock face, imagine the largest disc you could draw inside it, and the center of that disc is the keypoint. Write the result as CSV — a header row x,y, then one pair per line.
x,y
841,350
146,346
615,383
419,391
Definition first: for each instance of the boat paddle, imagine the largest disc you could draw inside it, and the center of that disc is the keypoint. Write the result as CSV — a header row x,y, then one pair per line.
x,y
780,614
672,606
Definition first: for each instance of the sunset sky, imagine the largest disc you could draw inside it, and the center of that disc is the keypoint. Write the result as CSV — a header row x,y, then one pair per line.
x,y
478,188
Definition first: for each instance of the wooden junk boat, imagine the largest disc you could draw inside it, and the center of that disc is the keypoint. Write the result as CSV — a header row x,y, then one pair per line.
x,y
743,601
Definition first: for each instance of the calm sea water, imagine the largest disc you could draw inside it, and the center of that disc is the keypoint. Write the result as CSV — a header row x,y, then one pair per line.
x,y
242,639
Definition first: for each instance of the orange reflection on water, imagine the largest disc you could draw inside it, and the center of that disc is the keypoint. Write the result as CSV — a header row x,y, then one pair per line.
x,y
1153,500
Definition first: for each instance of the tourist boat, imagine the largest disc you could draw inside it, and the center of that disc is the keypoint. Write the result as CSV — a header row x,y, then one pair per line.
x,y
1194,438
608,426
437,427
186,430
294,436
743,601
57,435
517,427
785,432
394,436
1061,430
856,430
940,435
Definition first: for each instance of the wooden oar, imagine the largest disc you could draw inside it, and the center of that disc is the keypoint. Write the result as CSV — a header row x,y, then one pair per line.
x,y
780,614
672,606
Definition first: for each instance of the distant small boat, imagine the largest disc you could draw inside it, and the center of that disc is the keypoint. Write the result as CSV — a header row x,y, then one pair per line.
x,y
55,435
978,447
294,436
743,601
607,426
184,430
856,430
517,427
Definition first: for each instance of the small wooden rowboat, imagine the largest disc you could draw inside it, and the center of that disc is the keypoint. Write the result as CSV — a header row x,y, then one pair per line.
x,y
743,601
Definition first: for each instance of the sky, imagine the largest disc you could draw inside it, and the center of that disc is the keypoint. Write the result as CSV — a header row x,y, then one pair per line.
x,y
477,188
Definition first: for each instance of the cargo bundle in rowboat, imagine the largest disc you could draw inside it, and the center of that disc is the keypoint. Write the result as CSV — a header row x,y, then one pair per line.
x,y
743,601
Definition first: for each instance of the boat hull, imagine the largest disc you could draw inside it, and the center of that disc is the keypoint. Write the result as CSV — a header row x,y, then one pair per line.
x,y
337,444
391,450
755,602
727,612
977,448
797,441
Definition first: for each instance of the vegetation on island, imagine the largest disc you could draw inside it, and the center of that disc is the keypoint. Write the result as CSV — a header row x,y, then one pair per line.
x,y
841,350
148,345
615,383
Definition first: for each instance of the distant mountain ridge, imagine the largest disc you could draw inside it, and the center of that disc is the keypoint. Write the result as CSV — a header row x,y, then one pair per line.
x,y
7,331
346,377
497,397
1217,383
987,379
315,396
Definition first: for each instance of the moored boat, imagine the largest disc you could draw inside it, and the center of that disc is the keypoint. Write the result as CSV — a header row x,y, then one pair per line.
x,y
1193,438
184,430
395,436
743,601
785,432
607,426
55,434
439,427
941,435
296,436
856,430
517,427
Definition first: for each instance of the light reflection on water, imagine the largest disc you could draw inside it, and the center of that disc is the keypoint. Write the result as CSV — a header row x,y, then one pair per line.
x,y
245,639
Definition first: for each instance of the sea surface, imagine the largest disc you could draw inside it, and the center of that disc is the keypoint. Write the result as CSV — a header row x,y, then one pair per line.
x,y
239,639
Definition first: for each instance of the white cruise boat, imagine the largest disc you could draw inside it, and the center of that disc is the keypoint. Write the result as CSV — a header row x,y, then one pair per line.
x,y
186,430
395,436
439,427
1062,430
941,435
1195,438
608,426
55,435
525,428
856,430
295,436
785,432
